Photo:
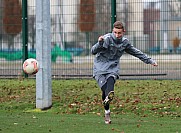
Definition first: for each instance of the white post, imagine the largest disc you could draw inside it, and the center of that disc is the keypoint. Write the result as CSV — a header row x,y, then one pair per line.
x,y
43,55
164,18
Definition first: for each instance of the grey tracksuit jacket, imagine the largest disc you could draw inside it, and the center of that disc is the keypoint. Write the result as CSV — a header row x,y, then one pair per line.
x,y
109,51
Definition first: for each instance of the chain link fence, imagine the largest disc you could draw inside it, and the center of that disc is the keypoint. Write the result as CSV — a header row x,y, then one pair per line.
x,y
152,26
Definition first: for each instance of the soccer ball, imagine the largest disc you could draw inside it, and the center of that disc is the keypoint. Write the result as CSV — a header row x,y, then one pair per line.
x,y
30,66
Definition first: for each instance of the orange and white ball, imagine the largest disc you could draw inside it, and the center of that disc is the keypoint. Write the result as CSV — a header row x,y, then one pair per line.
x,y
31,66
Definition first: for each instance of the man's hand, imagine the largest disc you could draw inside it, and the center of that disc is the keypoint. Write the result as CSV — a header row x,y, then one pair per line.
x,y
101,38
154,64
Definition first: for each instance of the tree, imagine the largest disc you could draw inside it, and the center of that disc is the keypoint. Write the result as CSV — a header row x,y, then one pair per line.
x,y
102,18
87,19
87,15
174,8
12,19
175,42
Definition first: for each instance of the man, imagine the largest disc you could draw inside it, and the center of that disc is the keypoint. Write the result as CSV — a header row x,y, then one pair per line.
x,y
108,51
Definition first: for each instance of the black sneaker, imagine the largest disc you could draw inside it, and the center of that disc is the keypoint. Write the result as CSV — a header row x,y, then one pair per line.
x,y
109,98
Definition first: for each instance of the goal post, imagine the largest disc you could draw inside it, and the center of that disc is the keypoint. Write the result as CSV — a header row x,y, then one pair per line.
x,y
43,55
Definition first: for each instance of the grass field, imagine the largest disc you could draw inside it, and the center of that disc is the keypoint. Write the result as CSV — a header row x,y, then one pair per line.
x,y
140,106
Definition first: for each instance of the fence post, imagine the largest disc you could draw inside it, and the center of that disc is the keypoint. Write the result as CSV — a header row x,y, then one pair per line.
x,y
25,31
113,13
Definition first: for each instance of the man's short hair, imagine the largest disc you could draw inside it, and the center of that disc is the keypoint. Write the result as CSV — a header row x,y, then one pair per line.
x,y
118,25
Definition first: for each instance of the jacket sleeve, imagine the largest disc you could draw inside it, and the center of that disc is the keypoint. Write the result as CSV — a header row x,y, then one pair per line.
x,y
130,49
96,48
101,46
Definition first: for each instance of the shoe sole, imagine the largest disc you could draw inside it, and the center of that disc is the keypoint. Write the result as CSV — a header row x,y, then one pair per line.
x,y
108,122
111,95
110,98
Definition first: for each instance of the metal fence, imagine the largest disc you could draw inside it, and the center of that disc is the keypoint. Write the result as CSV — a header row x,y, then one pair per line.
x,y
154,27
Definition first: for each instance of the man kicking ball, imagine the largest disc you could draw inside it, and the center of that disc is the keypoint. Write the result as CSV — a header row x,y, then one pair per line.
x,y
108,51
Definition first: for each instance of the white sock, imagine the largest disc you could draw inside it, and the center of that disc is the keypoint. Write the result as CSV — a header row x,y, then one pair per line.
x,y
107,111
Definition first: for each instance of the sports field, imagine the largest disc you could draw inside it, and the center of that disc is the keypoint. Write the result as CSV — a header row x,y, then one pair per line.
x,y
140,106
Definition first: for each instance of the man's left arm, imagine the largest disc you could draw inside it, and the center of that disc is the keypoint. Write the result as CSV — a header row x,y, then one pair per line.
x,y
130,49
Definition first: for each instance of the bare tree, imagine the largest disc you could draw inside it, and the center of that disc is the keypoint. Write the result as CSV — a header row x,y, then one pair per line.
x,y
87,20
87,15
175,8
31,30
103,16
12,21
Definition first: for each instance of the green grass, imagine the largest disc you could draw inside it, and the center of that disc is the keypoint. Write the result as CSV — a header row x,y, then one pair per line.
x,y
18,122
140,106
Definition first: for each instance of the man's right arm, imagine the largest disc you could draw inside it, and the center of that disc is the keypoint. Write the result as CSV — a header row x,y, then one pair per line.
x,y
98,46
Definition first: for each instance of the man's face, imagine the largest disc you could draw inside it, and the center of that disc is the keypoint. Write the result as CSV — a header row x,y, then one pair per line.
x,y
118,33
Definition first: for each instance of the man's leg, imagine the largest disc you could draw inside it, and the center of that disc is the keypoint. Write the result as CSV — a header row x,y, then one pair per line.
x,y
109,91
107,87
106,106
107,96
110,85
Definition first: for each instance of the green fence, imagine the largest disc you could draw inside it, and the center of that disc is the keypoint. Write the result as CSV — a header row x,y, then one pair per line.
x,y
152,27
